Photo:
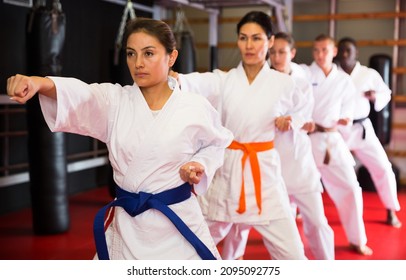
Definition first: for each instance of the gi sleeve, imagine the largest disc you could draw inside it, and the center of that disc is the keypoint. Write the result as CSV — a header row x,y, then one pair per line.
x,y
80,108
206,84
214,139
383,93
347,105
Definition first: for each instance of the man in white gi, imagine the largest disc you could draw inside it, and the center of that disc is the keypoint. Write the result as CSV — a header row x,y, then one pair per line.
x,y
299,169
361,137
333,95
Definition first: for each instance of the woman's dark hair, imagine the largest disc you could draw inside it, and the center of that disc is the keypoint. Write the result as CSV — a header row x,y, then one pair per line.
x,y
153,27
259,18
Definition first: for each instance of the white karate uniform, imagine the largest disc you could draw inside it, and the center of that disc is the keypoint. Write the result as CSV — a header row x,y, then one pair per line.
x,y
333,95
303,184
249,111
146,153
369,150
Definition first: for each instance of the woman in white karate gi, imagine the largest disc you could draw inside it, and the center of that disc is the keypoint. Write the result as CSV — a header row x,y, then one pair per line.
x,y
333,94
158,138
248,189
299,169
361,137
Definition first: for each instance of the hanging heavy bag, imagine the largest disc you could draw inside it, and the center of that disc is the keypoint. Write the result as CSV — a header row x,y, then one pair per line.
x,y
186,61
213,58
119,72
382,120
47,155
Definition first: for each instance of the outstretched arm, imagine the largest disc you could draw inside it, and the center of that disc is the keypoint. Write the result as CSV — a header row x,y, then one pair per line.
x,y
22,88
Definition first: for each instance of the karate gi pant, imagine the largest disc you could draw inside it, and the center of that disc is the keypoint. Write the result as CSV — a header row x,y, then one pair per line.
x,y
372,155
341,183
235,242
281,237
317,231
319,234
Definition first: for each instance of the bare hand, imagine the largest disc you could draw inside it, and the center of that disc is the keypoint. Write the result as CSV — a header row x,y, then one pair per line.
x,y
21,88
309,127
191,172
345,121
370,95
283,123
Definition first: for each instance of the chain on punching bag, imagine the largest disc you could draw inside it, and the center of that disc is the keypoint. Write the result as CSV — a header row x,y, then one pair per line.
x,y
382,120
186,61
47,155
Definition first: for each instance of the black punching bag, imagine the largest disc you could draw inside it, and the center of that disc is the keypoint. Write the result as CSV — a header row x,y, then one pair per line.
x,y
119,71
186,61
382,120
47,155
213,58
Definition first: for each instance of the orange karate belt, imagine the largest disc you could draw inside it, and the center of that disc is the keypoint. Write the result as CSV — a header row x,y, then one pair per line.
x,y
250,150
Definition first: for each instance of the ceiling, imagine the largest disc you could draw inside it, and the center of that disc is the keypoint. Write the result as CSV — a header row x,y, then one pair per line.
x,y
217,4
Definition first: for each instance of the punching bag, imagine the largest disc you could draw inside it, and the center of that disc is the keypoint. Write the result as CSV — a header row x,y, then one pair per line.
x,y
186,61
213,58
46,150
382,120
119,72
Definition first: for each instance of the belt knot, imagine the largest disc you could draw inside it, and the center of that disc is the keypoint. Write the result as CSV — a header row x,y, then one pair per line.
x,y
140,203
136,203
250,151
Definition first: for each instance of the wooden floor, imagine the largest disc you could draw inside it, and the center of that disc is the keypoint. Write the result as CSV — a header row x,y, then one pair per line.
x,y
17,241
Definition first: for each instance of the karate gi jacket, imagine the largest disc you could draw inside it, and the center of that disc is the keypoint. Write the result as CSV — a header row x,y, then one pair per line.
x,y
146,153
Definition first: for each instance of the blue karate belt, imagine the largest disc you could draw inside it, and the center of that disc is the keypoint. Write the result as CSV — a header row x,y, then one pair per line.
x,y
361,122
136,203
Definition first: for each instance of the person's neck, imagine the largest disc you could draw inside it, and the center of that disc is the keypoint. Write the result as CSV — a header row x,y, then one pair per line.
x,y
348,68
327,69
285,70
156,96
252,71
